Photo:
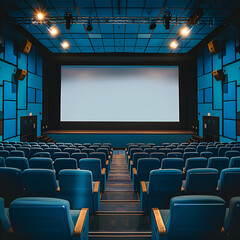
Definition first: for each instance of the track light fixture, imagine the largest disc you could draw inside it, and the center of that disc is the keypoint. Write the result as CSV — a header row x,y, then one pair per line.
x,y
166,20
195,16
68,17
152,26
89,27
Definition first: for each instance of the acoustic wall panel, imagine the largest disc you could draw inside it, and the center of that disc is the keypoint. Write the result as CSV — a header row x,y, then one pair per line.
x,y
10,51
208,95
31,95
229,128
32,60
229,51
201,96
229,110
207,60
9,109
9,128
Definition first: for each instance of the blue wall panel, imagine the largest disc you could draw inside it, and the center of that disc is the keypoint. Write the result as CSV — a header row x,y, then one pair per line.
x,y
200,64
39,95
229,128
10,91
217,94
229,91
10,51
31,95
208,95
229,53
32,60
34,81
6,72
205,81
217,61
9,128
200,96
22,61
9,109
207,61
229,110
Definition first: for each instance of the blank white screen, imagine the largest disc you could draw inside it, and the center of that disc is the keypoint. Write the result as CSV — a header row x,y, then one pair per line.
x,y
119,94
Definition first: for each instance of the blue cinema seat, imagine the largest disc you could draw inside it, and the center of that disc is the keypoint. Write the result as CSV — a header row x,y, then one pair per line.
x,y
158,155
141,173
133,162
234,162
232,153
165,150
39,183
102,156
78,188
34,150
189,218
162,186
229,183
52,150
214,150
42,154
2,162
10,184
4,220
187,155
132,151
26,150
60,155
206,154
71,150
9,148
79,156
201,148
16,153
4,153
94,165
219,163
17,162
41,162
172,163
222,150
150,150
175,155
232,220
87,150
195,162
201,181
64,163
36,218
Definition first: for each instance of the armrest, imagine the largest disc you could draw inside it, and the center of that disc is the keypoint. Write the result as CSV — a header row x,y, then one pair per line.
x,y
103,171
80,222
96,187
159,222
182,189
58,189
128,157
107,162
143,185
131,162
134,171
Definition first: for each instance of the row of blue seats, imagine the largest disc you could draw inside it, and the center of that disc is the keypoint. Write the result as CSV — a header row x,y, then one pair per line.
x,y
197,217
43,218
163,184
76,186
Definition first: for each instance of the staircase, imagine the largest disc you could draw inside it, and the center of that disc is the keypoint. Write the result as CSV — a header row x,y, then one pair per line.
x,y
120,215
195,138
45,138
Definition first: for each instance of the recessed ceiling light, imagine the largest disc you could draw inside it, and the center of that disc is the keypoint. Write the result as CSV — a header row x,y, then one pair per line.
x,y
174,44
185,31
65,44
40,16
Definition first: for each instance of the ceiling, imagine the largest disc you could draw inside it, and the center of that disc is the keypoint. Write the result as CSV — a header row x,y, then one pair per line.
x,y
129,37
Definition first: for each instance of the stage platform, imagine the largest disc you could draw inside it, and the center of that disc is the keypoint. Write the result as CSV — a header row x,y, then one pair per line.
x,y
119,138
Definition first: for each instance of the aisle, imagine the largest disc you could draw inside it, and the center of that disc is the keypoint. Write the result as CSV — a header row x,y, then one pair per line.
x,y
120,214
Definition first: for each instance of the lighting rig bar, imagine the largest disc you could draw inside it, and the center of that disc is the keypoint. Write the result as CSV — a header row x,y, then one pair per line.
x,y
116,20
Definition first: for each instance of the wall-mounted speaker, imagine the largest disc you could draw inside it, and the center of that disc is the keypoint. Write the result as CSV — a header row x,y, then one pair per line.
x,y
20,74
26,46
219,75
213,47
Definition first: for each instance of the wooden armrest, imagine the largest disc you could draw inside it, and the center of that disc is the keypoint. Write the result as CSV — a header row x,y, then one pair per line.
x,y
183,172
134,171
182,189
222,230
144,189
159,221
125,149
103,171
128,157
96,187
109,156
131,162
217,189
58,189
10,230
107,162
80,222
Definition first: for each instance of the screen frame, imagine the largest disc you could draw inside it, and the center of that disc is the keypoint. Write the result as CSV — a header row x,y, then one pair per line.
x,y
120,122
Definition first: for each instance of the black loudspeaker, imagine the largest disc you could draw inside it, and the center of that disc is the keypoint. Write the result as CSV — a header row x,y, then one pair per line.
x,y
20,74
219,75
26,46
213,47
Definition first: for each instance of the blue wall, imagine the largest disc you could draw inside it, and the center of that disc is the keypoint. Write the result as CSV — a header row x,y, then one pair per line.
x,y
220,99
19,98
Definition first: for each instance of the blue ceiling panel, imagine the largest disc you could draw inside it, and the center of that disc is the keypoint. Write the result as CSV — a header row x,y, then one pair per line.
x,y
120,36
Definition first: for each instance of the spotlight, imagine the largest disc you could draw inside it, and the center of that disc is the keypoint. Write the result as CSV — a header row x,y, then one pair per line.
x,y
65,44
185,31
53,31
68,17
40,16
195,16
166,20
89,27
174,44
152,26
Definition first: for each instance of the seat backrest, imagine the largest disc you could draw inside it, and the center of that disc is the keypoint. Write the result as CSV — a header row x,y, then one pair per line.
x,y
165,150
17,153
190,149
143,147
219,163
65,163
17,162
195,162
71,150
76,186
95,147
41,162
39,183
203,217
87,150
232,153
26,150
231,223
145,165
201,148
86,144
206,154
174,155
60,155
2,162
52,150
134,150
164,181
234,162
41,218
4,153
236,148
104,150
42,154
10,148
34,150
10,184
172,163
4,219
79,156
93,165
150,150
101,156
201,181
214,150
222,150
187,155
138,155
229,183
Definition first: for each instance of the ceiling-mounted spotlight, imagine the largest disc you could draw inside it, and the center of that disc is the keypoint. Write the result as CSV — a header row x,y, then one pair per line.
x,y
185,31
68,17
166,20
195,16
65,44
89,27
53,31
174,44
152,25
40,16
